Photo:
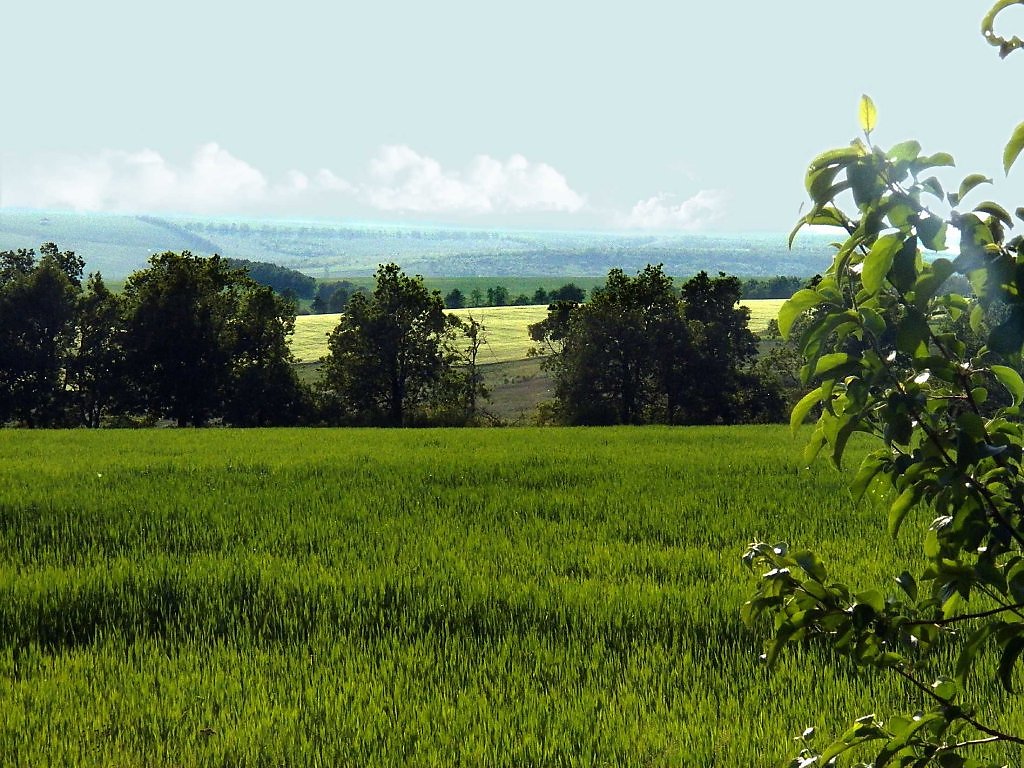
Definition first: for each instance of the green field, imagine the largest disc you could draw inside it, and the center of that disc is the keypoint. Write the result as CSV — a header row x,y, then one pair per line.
x,y
507,335
413,597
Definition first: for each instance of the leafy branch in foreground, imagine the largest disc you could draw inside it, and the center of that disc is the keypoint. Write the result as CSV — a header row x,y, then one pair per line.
x,y
935,377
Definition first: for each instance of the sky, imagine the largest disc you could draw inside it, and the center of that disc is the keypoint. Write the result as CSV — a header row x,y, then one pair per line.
x,y
554,114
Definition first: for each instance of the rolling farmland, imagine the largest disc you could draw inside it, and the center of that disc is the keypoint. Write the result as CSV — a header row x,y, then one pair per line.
x,y
415,597
507,335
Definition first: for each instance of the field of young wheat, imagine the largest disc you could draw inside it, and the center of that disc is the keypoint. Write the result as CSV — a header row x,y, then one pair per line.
x,y
414,597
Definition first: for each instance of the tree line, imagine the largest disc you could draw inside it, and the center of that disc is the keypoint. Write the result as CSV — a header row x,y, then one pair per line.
x,y
194,341
331,296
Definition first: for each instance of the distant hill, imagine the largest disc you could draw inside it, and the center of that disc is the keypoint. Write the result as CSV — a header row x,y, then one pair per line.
x,y
120,244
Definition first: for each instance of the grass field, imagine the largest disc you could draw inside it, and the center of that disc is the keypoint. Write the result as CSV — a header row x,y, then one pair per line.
x,y
507,335
418,597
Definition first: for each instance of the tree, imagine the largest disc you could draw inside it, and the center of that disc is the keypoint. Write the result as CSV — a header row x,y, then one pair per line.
x,y
205,341
568,292
283,280
99,367
637,353
263,388
497,296
455,299
37,333
720,387
333,297
390,351
883,341
540,296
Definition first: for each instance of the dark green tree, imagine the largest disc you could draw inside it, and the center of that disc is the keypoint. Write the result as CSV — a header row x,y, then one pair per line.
x,y
609,368
37,334
99,366
204,341
263,388
333,297
177,314
286,282
390,352
497,296
568,292
455,299
716,384
638,353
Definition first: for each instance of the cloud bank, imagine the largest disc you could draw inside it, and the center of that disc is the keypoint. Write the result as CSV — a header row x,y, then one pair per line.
x,y
403,180
397,180
214,181
659,213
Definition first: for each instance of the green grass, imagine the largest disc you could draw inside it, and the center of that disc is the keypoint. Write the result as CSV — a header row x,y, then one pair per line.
x,y
419,597
507,336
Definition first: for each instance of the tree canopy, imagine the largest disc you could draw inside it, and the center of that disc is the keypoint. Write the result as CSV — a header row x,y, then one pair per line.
x,y
639,352
204,340
391,352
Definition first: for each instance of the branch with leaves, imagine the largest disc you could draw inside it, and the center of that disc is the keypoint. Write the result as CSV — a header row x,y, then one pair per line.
x,y
889,345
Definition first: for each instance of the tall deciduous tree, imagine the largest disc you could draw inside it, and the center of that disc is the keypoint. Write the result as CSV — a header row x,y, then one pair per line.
x,y
390,351
37,333
263,389
201,336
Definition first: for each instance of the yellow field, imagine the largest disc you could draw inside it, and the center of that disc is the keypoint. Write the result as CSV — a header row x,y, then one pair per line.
x,y
507,337
761,311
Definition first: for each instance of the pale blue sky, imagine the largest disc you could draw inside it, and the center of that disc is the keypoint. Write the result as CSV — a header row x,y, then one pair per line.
x,y
566,115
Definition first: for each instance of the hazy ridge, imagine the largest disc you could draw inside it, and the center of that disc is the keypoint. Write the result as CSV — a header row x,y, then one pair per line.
x,y
119,244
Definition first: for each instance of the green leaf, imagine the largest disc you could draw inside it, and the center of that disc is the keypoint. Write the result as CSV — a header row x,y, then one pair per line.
x,y
1013,148
933,233
996,210
977,318
1007,338
831,361
868,114
1011,652
932,186
969,651
868,471
899,509
797,304
906,151
1010,379
803,407
872,598
782,636
940,159
970,182
945,689
810,564
908,584
840,156
878,262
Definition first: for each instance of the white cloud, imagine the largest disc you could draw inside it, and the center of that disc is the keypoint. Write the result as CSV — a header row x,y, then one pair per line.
x,y
659,212
215,181
403,180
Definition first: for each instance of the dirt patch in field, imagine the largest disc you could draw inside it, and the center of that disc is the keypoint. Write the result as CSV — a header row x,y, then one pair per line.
x,y
516,389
